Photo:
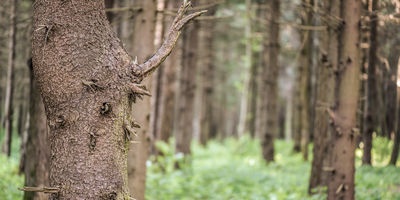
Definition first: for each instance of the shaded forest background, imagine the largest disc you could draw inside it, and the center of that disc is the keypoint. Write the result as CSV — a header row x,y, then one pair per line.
x,y
242,76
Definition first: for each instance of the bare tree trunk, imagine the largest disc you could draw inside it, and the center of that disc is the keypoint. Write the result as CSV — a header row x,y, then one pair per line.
x,y
88,83
206,64
343,116
8,107
168,85
270,82
143,47
187,88
37,154
305,62
394,63
241,126
371,112
328,58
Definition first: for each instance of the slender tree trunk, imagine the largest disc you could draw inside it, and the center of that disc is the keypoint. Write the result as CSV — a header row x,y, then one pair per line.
x,y
241,127
343,116
88,83
270,83
187,88
328,58
168,85
143,47
305,61
8,107
37,153
206,64
371,112
254,88
394,63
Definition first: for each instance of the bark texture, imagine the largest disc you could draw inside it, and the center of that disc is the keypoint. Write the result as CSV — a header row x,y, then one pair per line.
x,y
88,82
343,116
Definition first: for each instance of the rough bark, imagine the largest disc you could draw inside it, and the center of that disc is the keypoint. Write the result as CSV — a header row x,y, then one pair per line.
x,y
8,106
143,47
37,153
187,87
270,71
371,111
88,84
328,57
343,115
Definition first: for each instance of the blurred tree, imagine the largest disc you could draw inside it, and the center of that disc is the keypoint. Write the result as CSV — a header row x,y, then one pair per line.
x,y
343,115
371,113
37,154
186,91
328,58
207,66
269,97
304,68
169,84
143,47
8,107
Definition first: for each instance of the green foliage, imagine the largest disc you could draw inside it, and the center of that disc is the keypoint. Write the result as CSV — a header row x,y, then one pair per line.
x,y
234,169
10,180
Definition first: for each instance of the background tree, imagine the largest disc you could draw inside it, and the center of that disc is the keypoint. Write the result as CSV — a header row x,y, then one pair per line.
x,y
343,116
8,107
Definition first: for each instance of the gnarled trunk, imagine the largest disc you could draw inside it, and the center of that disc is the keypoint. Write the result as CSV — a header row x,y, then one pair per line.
x,y
88,84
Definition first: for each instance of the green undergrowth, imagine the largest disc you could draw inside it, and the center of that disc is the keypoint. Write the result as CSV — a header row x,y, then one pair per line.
x,y
10,180
234,169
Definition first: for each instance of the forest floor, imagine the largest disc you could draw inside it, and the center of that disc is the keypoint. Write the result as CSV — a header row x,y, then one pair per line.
x,y
232,170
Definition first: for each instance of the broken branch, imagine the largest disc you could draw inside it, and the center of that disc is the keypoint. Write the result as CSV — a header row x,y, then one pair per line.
x,y
145,69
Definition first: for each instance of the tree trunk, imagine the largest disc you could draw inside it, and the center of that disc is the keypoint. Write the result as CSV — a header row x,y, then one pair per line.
x,y
394,63
143,47
270,71
8,107
241,125
169,85
37,153
206,64
371,112
305,62
343,116
328,58
187,88
88,83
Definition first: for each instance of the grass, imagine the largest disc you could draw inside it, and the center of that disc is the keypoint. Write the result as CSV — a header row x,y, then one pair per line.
x,y
234,170
10,179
